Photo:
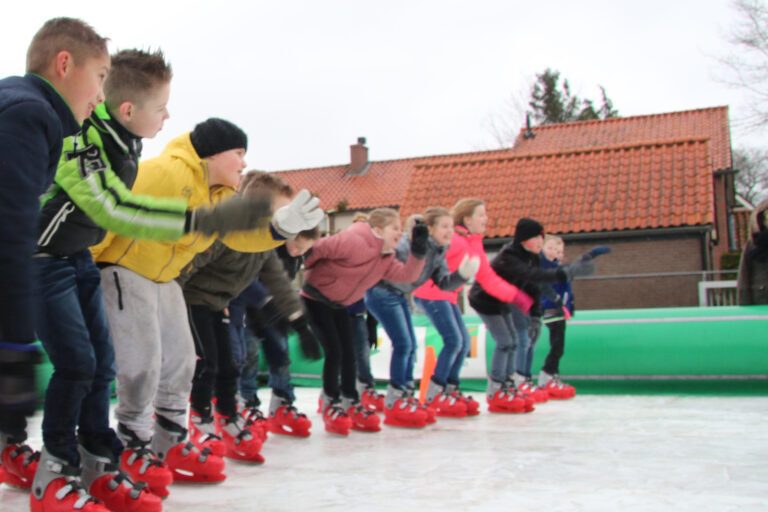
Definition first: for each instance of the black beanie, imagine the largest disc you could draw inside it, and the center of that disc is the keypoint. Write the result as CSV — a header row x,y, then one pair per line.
x,y
215,135
527,228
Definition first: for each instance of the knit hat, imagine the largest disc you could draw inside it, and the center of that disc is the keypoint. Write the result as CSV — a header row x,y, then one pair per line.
x,y
527,228
216,135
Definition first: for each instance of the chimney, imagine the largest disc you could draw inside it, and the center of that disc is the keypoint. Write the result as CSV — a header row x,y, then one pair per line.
x,y
358,157
528,130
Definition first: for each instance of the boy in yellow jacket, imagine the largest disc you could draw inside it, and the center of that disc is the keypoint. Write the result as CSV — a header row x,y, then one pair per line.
x,y
154,349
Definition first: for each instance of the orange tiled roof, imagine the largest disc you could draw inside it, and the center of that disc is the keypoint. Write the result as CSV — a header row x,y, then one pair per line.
x,y
384,183
709,123
601,189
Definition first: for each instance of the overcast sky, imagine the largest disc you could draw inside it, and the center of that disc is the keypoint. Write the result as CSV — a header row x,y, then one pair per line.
x,y
306,78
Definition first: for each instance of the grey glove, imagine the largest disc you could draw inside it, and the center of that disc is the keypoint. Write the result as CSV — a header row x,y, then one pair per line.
x,y
240,213
534,329
579,268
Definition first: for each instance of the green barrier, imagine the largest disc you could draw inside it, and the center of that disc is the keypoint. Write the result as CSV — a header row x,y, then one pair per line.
x,y
721,350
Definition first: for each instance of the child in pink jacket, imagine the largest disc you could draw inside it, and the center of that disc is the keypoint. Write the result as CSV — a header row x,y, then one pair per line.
x,y
470,220
340,269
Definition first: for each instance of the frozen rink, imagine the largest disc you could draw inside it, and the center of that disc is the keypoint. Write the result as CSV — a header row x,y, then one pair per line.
x,y
593,453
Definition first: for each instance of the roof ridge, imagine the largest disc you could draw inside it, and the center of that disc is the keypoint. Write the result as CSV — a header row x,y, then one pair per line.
x,y
405,159
622,119
580,151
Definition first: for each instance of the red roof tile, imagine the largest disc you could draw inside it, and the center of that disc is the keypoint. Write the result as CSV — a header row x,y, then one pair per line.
x,y
709,123
602,189
384,183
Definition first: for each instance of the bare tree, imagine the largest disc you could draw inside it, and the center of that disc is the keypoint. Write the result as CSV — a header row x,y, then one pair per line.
x,y
747,64
752,179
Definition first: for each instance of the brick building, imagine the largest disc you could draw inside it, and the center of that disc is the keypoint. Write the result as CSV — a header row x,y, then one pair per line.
x,y
658,189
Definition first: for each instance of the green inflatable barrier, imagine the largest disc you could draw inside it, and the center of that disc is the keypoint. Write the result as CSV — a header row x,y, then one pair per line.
x,y
719,350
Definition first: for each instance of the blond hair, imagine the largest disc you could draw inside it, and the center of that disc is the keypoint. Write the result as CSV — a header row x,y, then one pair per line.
x,y
381,217
64,34
553,238
432,214
359,217
254,182
465,208
134,75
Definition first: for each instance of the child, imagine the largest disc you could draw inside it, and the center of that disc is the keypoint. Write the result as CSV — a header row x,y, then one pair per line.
x,y
470,219
753,267
389,304
73,327
511,326
213,279
340,269
268,328
153,344
549,380
67,62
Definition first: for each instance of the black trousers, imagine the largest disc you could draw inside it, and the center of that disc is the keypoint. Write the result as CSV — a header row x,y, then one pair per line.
x,y
333,327
216,372
556,347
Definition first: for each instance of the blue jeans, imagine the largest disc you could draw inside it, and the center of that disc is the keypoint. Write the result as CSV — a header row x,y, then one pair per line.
x,y
391,310
74,331
504,333
446,318
524,351
275,345
362,349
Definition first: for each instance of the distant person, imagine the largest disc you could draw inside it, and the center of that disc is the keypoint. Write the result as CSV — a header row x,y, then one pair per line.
x,y
753,267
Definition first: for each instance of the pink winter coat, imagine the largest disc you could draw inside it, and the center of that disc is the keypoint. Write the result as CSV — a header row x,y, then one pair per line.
x,y
462,243
344,266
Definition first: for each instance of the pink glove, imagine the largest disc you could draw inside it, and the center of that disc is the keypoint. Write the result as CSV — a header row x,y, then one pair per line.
x,y
523,301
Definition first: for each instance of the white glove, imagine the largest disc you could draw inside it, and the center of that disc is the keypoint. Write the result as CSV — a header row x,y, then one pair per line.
x,y
469,266
300,214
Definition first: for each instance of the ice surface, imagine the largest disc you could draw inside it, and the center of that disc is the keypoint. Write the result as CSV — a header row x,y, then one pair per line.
x,y
593,453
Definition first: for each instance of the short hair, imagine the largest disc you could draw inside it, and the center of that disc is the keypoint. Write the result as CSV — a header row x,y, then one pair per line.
x,y
432,214
134,75
259,181
381,217
310,234
465,208
64,34
553,238
359,217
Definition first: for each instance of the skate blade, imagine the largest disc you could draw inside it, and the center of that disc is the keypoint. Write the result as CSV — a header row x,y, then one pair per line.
x,y
191,478
285,431
15,481
370,430
404,424
252,458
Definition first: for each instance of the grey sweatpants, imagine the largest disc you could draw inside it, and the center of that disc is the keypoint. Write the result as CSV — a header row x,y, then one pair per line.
x,y
154,350
502,328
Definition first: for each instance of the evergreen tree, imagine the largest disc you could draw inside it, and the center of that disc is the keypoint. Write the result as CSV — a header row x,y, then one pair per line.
x,y
553,102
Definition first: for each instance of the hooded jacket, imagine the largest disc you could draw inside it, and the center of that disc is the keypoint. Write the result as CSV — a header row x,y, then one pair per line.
x,y
179,173
342,267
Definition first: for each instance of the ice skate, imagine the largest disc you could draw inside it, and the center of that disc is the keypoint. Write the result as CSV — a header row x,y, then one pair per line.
x,y
472,405
240,442
142,464
400,410
285,419
555,388
526,386
363,419
104,480
255,419
501,400
203,433
184,459
444,403
19,463
334,416
369,397
57,488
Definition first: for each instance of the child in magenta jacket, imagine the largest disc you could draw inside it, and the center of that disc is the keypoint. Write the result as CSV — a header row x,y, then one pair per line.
x,y
340,269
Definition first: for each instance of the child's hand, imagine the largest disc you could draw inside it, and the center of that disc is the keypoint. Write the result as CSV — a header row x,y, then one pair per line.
x,y
595,252
302,213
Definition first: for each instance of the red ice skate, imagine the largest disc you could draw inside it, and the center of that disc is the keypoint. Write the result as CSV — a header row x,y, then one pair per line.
x,y
559,390
448,405
241,443
188,464
57,488
529,388
114,488
472,405
372,399
142,465
20,464
203,433
285,419
363,419
335,418
255,419
505,402
405,410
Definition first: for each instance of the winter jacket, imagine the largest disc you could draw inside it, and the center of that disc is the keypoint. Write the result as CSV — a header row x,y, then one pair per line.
x,y
753,267
435,268
93,195
220,274
521,268
342,267
462,243
562,291
34,120
178,172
